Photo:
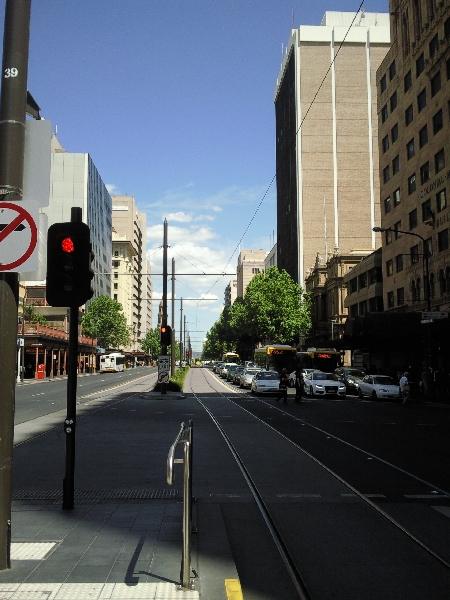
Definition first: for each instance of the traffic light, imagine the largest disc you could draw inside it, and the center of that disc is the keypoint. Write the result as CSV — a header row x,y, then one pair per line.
x,y
69,257
166,335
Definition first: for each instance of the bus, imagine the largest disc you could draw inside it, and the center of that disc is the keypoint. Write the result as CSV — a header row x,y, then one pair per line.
x,y
323,359
230,357
276,357
112,363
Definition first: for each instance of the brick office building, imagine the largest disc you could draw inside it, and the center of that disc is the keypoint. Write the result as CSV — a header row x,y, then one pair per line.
x,y
413,84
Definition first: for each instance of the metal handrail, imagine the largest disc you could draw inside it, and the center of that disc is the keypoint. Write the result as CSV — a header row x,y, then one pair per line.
x,y
187,495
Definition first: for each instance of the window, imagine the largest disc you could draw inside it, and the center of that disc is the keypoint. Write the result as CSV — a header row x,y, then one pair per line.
x,y
116,286
428,247
400,296
115,297
394,133
409,115
116,275
414,252
439,160
390,299
422,100
420,64
413,219
387,205
407,81
443,240
447,28
385,144
115,264
396,228
397,197
362,280
412,183
353,285
399,263
386,174
384,113
116,253
425,173
383,83
426,210
389,268
438,122
423,136
410,149
441,200
396,165
435,84
392,70
434,45
354,311
388,236
393,101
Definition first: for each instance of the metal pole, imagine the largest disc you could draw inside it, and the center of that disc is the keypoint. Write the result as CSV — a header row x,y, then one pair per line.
x,y
172,346
181,330
184,337
164,298
70,422
12,148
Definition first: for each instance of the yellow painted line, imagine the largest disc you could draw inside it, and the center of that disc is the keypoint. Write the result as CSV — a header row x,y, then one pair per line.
x,y
233,589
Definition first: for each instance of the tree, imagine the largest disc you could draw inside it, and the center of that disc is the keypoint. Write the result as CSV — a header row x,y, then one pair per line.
x,y
105,320
30,315
151,344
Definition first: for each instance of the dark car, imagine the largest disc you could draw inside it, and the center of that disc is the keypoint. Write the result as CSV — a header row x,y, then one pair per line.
x,y
231,371
237,374
351,377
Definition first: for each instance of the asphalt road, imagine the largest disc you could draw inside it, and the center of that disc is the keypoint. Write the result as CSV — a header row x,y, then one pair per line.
x,y
39,398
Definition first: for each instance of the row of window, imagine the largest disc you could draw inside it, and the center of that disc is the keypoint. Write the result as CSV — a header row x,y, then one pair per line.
x,y
438,124
414,252
367,278
374,304
415,287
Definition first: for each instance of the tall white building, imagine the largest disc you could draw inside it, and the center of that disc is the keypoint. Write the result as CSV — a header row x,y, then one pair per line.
x,y
250,263
75,181
326,139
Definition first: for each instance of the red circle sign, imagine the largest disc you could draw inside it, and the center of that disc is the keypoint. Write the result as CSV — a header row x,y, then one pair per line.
x,y
23,215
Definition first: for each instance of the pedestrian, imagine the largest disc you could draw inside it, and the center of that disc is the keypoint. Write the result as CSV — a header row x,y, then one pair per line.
x,y
404,387
299,385
284,382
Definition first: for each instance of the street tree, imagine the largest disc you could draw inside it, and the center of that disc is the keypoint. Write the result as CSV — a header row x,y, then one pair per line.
x,y
30,315
104,320
151,344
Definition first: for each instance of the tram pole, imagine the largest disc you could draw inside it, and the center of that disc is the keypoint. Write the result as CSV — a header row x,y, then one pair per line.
x,y
172,346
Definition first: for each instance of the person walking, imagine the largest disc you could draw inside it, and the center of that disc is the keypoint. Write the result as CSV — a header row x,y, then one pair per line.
x,y
299,385
404,387
284,382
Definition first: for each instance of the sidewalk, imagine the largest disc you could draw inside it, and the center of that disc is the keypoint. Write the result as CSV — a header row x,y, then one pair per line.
x,y
124,537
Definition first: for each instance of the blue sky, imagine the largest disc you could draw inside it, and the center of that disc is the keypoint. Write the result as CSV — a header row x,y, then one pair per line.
x,y
173,100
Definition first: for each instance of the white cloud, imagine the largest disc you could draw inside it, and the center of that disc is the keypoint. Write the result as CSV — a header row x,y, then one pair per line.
x,y
179,216
180,234
112,189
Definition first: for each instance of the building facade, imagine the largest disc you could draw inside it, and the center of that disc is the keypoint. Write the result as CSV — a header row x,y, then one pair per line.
x,y
130,225
250,263
230,293
364,283
326,139
414,117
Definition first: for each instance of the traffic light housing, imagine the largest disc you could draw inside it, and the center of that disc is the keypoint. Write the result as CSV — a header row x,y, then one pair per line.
x,y
69,257
166,335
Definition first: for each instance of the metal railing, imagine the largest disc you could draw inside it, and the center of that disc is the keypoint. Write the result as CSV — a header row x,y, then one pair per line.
x,y
185,437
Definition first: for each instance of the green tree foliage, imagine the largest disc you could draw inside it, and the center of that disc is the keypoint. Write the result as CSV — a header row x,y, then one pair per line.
x,y
274,310
151,344
30,314
104,320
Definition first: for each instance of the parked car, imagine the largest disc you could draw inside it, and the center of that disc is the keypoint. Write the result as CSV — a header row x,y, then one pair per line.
x,y
378,386
266,382
237,374
305,372
217,366
324,384
225,368
351,377
246,377
231,371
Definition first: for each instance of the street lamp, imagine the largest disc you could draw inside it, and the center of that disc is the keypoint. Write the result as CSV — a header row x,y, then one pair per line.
x,y
425,253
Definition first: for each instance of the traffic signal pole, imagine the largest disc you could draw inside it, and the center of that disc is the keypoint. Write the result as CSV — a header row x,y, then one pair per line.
x,y
12,147
164,315
172,346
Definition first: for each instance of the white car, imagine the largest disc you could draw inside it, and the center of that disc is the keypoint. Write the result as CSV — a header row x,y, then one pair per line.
x,y
223,372
305,373
246,377
324,384
378,386
266,382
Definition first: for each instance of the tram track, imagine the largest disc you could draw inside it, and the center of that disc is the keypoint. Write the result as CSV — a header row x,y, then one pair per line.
x,y
282,547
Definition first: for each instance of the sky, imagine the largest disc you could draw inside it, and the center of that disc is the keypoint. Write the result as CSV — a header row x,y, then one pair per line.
x,y
173,100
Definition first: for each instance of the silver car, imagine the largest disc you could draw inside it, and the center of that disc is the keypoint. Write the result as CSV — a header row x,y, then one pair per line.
x,y
266,382
246,377
324,384
378,386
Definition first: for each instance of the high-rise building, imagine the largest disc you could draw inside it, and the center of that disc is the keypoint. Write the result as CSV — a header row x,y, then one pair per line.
x,y
414,118
75,181
326,139
230,293
130,225
250,263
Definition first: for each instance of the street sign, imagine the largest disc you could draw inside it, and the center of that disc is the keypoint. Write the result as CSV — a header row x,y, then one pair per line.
x,y
163,376
163,363
435,315
426,321
18,236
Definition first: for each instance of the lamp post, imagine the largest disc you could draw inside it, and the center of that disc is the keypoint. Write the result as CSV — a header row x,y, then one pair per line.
x,y
426,276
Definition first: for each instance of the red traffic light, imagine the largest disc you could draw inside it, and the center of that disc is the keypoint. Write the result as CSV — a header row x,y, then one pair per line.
x,y
67,245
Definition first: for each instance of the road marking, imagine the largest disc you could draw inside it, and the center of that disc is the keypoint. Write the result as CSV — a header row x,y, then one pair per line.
x,y
233,589
425,496
96,591
298,496
445,510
